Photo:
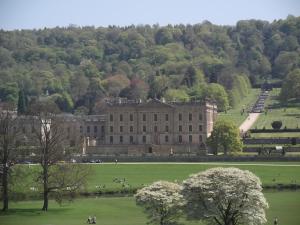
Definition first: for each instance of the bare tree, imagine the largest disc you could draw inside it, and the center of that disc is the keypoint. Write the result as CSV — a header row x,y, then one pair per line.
x,y
8,150
56,177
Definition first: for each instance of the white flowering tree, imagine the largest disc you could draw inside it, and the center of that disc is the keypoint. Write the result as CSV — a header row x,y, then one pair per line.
x,y
162,202
225,196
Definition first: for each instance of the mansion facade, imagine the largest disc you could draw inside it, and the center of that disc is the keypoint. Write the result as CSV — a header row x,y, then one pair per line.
x,y
125,127
153,127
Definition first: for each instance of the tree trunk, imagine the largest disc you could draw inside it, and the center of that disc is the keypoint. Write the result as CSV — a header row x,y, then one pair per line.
x,y
45,205
45,181
5,177
5,187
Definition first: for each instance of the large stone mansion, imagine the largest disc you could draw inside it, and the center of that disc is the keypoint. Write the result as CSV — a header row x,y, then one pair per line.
x,y
125,127
154,127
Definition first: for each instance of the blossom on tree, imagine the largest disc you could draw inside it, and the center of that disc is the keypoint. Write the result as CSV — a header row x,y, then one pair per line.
x,y
162,202
225,196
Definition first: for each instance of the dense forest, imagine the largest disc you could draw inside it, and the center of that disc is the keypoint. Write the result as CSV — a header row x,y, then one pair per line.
x,y
77,67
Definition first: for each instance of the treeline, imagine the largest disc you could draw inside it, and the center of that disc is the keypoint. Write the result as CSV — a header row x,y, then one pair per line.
x,y
76,67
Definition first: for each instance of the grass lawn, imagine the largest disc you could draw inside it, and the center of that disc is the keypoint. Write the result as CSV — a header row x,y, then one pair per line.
x,y
275,135
234,114
290,115
123,211
137,175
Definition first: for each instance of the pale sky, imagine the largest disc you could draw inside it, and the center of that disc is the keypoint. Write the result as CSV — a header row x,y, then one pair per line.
x,y
29,14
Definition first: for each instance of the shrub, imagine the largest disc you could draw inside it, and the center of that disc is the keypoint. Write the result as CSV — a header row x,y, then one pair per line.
x,y
276,124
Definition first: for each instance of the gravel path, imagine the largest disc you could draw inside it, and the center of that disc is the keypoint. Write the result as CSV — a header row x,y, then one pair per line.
x,y
250,120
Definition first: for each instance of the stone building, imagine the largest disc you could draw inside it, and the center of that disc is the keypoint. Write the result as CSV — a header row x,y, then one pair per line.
x,y
125,127
153,127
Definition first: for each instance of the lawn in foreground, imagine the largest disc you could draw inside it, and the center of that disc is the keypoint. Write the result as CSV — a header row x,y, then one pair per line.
x,y
123,211
234,114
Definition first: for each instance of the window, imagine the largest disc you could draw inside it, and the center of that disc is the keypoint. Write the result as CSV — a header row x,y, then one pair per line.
x,y
80,128
111,129
121,117
180,139
121,139
23,130
200,116
190,138
88,129
131,128
68,129
111,117
95,129
167,128
121,128
144,117
144,139
190,116
200,139
190,128
180,117
155,128
144,128
102,129
111,139
166,138
32,129
131,117
167,117
180,128
131,139
200,127
155,117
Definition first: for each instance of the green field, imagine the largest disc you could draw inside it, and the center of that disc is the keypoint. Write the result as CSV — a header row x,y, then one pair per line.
x,y
275,135
290,115
137,175
123,211
234,114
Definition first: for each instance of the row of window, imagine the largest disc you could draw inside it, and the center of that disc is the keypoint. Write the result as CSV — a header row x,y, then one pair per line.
x,y
88,129
155,128
155,117
144,139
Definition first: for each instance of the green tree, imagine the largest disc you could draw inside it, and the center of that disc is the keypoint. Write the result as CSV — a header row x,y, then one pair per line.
x,y
22,102
138,89
163,36
216,92
49,134
286,62
291,86
176,95
225,137
8,152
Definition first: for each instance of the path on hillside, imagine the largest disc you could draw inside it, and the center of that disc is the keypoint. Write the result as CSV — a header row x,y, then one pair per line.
x,y
250,120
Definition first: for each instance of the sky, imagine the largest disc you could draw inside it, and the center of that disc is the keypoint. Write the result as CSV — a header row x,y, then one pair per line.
x,y
30,14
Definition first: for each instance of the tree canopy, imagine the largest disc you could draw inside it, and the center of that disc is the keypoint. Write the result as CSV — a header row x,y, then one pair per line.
x,y
82,65
225,196
162,202
225,137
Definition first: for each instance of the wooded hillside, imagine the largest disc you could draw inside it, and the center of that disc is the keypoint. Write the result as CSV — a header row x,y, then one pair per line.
x,y
76,67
